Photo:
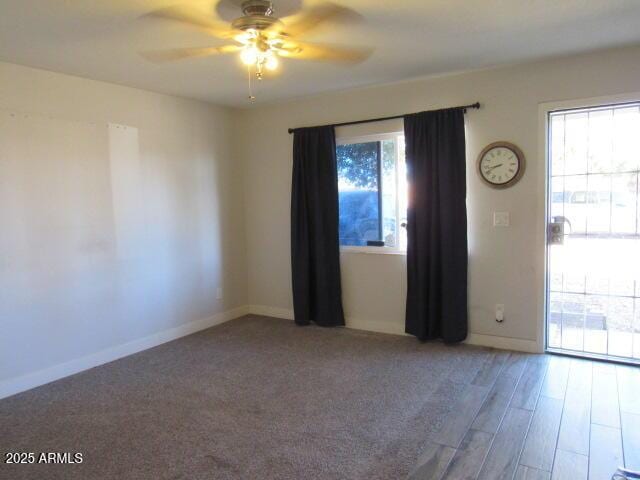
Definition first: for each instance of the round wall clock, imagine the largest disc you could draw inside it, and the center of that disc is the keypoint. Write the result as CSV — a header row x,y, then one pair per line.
x,y
501,164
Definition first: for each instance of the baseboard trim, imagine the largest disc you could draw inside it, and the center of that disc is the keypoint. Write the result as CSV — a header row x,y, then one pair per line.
x,y
41,377
356,324
502,343
268,311
378,327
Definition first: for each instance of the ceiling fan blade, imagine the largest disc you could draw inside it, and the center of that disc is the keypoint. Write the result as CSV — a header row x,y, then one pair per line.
x,y
162,56
324,52
312,17
193,18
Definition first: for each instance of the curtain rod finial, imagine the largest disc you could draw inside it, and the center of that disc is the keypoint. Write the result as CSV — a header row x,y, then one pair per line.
x,y
475,106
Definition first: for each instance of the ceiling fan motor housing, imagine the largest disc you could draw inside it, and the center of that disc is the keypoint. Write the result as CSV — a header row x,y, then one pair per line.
x,y
257,7
257,16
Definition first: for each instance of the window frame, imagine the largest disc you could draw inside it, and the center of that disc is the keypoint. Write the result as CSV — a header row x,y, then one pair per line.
x,y
378,137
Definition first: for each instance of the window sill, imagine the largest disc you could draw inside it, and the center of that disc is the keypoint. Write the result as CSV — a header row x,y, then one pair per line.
x,y
373,250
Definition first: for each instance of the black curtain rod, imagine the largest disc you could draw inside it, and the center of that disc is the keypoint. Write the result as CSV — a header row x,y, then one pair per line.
x,y
381,119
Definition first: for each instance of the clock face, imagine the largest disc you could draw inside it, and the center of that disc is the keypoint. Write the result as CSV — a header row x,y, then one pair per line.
x,y
500,164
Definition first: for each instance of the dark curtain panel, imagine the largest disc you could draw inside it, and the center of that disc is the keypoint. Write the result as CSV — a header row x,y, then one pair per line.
x,y
436,225
315,250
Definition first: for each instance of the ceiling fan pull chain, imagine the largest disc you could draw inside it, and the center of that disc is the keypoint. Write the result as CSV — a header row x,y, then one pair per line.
x,y
251,96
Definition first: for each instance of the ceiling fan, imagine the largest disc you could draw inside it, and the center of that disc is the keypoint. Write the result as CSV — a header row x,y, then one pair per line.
x,y
260,38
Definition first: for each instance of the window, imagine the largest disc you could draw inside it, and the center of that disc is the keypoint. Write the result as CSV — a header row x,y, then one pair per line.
x,y
372,192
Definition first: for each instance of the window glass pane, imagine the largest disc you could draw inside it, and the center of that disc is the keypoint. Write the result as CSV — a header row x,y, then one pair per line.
x,y
557,197
626,141
389,193
595,333
573,318
620,326
636,328
557,145
358,193
575,204
576,136
598,207
373,192
600,143
403,193
624,203
554,325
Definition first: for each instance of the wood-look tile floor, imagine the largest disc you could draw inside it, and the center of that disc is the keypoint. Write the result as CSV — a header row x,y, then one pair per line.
x,y
539,417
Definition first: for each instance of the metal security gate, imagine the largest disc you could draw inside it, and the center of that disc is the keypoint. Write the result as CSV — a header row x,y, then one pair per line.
x,y
593,270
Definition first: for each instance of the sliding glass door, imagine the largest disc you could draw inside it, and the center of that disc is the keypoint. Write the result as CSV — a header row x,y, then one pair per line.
x,y
593,272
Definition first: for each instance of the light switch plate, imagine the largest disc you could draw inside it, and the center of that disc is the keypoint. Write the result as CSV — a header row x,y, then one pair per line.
x,y
500,219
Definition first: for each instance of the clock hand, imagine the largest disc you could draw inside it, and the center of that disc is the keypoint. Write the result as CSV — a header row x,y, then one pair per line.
x,y
495,166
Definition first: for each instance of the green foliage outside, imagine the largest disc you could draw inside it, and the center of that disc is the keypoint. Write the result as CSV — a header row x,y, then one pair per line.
x,y
357,163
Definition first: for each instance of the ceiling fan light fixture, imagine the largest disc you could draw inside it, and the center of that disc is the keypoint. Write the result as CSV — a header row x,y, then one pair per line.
x,y
272,62
243,38
249,55
259,53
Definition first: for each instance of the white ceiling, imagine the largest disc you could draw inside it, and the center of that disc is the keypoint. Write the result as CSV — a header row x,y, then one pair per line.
x,y
100,39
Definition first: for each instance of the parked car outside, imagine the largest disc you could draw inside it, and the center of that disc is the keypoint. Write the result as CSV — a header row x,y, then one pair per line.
x,y
595,212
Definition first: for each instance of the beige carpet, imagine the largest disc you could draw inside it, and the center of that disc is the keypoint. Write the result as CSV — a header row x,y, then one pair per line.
x,y
255,398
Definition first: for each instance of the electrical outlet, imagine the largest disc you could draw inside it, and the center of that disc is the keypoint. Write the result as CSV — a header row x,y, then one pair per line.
x,y
499,312
219,293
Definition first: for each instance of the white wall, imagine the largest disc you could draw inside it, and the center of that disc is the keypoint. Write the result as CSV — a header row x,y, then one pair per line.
x,y
506,264
121,213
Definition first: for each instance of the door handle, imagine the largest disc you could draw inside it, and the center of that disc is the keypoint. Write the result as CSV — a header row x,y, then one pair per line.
x,y
555,233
